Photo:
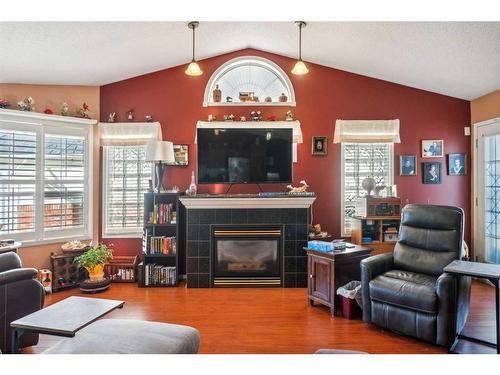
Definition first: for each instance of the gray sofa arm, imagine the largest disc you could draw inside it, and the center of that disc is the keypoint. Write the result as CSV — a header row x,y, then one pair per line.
x,y
17,274
370,268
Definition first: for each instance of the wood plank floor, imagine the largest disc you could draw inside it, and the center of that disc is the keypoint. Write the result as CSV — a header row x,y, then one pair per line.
x,y
272,320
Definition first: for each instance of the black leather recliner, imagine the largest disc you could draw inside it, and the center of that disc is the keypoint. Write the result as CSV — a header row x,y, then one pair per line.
x,y
20,294
407,291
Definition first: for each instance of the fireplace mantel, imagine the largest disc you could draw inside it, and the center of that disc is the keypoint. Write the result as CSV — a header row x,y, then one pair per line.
x,y
232,202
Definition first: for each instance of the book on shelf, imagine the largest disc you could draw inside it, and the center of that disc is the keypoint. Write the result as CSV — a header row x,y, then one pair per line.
x,y
160,275
163,213
160,245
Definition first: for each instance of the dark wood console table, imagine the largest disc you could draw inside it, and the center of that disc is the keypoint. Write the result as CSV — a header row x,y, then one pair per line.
x,y
329,271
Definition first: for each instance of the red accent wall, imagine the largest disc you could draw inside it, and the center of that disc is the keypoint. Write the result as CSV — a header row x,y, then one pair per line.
x,y
322,96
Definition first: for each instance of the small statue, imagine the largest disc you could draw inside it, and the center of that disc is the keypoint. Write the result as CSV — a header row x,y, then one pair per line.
x,y
289,115
243,118
130,115
229,117
85,111
271,118
148,118
48,111
299,189
65,109
229,99
283,98
256,115
212,118
4,103
112,117
217,94
27,104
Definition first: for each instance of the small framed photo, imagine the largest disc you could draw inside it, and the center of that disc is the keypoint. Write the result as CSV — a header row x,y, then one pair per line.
x,y
432,148
319,145
407,165
457,164
181,154
431,172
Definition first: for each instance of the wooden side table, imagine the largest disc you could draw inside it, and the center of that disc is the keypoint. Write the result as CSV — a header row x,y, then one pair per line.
x,y
329,271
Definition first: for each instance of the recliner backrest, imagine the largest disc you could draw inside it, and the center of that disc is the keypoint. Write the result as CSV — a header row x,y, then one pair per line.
x,y
430,237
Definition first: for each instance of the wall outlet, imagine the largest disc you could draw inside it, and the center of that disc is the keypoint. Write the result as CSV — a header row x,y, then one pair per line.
x,y
467,130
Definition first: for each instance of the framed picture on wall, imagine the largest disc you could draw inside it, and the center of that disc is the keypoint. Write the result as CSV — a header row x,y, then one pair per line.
x,y
457,164
432,148
319,145
407,165
431,172
181,154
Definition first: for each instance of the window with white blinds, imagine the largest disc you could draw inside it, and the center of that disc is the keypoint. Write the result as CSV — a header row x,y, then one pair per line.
x,y
361,160
45,179
126,179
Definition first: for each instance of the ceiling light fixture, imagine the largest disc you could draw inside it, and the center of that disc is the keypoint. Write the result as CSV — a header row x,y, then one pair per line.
x,y
300,68
193,69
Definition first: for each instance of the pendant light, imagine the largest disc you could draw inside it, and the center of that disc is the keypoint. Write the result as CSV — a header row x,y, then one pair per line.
x,y
193,68
300,68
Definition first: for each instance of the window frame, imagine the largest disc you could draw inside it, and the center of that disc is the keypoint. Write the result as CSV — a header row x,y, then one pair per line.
x,y
42,124
105,231
342,178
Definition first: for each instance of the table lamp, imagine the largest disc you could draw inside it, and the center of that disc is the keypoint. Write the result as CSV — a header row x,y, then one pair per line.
x,y
160,152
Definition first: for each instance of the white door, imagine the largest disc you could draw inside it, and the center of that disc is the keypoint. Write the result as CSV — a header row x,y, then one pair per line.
x,y
487,190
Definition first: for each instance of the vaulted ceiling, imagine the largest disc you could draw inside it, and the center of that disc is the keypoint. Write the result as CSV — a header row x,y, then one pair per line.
x,y
460,59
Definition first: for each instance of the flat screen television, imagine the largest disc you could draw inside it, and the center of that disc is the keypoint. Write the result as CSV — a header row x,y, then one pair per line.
x,y
244,156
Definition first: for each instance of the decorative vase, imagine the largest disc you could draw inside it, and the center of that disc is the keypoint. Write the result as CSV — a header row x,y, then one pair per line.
x,y
283,98
192,187
96,273
217,94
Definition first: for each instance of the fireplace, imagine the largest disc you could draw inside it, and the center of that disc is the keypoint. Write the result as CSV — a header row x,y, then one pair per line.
x,y
246,256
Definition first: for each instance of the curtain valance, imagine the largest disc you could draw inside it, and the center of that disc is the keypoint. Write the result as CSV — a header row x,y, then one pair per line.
x,y
129,133
367,131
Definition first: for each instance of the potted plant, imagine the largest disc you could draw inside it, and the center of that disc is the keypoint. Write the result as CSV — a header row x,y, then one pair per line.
x,y
93,261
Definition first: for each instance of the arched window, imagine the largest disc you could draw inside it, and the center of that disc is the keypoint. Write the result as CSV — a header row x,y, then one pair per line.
x,y
250,81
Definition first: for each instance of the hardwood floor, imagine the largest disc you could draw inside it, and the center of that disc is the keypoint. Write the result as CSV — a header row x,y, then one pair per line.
x,y
272,320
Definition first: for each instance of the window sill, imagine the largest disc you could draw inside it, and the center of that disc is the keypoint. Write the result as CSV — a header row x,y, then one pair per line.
x,y
53,241
121,235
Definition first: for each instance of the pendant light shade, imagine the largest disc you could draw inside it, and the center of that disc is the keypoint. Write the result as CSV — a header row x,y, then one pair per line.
x,y
300,68
193,68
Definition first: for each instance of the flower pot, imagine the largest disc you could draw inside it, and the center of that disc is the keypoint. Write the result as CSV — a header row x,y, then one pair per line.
x,y
96,273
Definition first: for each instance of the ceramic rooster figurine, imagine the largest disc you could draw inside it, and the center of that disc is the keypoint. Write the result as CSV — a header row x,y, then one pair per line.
x,y
299,189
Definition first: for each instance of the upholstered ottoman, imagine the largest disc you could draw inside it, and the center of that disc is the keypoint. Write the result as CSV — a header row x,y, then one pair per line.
x,y
120,336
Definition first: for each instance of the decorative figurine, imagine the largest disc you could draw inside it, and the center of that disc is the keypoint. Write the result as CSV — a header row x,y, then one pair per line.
x,y
65,109
243,118
283,98
229,117
192,187
112,117
229,99
27,104
368,184
48,111
289,116
212,118
271,118
148,118
4,103
84,111
298,189
130,115
217,94
268,99
256,115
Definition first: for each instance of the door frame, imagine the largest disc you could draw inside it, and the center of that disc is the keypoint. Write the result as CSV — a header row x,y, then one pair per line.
x,y
476,228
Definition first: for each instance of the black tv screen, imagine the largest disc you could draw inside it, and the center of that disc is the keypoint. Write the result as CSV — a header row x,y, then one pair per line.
x,y
241,156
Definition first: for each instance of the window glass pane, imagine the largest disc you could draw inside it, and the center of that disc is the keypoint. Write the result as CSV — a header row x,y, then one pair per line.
x,y
17,181
64,190
127,175
363,160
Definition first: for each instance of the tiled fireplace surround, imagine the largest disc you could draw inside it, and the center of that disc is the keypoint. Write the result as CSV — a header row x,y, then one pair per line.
x,y
198,240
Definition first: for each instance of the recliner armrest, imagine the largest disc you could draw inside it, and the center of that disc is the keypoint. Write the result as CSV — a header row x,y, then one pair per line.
x,y
372,267
9,261
17,274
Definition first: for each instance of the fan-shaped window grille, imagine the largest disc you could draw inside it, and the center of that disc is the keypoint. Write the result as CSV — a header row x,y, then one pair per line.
x,y
250,81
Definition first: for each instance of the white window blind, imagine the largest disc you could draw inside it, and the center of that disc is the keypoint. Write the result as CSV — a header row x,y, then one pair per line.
x,y
18,151
361,160
126,179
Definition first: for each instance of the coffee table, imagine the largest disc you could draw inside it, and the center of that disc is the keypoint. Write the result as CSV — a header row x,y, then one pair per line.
x,y
486,271
63,318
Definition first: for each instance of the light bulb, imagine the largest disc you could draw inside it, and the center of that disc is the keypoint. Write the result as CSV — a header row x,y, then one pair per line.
x,y
300,68
193,69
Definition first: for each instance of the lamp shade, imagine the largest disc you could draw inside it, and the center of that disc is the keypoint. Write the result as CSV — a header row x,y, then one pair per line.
x,y
160,151
193,69
300,68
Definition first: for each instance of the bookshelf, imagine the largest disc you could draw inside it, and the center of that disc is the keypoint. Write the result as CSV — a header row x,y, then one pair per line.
x,y
161,240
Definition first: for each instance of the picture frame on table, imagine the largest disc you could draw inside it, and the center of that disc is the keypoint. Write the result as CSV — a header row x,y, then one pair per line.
x,y
457,164
431,173
407,165
319,145
181,154
432,148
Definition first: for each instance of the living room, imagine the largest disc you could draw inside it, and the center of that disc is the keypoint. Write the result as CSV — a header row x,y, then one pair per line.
x,y
205,185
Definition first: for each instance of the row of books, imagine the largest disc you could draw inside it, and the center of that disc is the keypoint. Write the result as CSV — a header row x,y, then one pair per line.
x,y
162,245
163,213
157,274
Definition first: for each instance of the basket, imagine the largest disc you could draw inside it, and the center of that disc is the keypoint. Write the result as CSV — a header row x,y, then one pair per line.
x,y
122,269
